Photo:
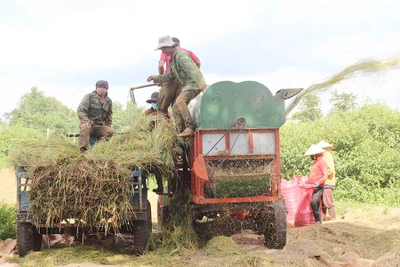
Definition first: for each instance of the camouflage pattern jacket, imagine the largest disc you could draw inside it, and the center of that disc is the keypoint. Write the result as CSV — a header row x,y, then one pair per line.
x,y
184,70
91,110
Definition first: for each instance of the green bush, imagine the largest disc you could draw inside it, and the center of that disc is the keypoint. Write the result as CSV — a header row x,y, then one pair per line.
x,y
7,221
367,152
11,136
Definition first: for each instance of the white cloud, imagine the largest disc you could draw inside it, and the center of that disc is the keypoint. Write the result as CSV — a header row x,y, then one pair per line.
x,y
102,35
341,51
93,36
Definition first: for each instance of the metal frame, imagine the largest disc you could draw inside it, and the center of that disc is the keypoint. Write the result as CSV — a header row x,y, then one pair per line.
x,y
139,200
197,184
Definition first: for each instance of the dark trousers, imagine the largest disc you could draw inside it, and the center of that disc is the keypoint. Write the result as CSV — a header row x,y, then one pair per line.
x,y
168,94
315,203
95,130
180,110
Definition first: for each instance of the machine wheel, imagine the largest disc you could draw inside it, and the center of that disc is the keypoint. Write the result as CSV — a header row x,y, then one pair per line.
x,y
275,227
28,238
220,224
141,232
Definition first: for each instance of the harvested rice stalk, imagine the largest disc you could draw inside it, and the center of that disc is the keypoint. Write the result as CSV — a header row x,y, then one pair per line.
x,y
364,67
94,186
179,234
85,190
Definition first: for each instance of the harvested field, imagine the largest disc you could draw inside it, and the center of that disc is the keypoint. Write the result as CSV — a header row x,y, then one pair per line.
x,y
357,239
365,235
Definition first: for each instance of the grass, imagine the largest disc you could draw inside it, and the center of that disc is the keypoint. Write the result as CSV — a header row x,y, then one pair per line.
x,y
61,256
372,232
78,254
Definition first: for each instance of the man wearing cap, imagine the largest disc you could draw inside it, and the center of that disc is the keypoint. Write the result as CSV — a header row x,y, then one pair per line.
x,y
95,113
153,102
164,59
330,181
318,175
188,75
171,89
152,111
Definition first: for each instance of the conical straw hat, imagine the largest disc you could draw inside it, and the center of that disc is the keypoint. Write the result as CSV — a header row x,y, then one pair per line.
x,y
313,150
323,144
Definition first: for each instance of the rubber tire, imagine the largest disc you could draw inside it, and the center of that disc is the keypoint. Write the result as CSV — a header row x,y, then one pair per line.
x,y
141,232
276,227
28,238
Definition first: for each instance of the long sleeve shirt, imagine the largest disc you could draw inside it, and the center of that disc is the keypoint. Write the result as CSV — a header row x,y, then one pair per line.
x,y
318,172
184,70
166,58
92,111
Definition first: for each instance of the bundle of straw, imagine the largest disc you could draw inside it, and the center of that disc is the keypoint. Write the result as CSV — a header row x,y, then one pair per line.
x,y
95,185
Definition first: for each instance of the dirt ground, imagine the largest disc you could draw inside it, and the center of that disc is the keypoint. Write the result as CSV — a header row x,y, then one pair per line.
x,y
363,235
8,186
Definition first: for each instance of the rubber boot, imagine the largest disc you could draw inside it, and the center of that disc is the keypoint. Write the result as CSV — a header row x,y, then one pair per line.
x,y
332,213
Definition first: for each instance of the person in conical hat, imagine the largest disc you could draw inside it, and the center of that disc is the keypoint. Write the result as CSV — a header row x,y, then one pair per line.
x,y
318,175
330,181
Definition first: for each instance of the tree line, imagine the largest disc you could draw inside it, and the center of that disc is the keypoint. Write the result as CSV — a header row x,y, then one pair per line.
x,y
36,112
366,138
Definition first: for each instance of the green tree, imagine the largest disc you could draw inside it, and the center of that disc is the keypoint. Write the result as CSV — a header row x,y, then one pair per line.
x,y
310,108
122,118
342,102
37,111
11,136
367,151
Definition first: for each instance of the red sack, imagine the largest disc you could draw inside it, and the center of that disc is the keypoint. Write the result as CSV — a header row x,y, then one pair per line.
x,y
297,200
304,214
291,193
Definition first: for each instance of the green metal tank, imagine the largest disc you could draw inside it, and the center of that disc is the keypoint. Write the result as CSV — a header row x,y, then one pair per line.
x,y
224,102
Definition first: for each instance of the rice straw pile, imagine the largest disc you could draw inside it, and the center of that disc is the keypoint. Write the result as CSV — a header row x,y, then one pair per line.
x,y
93,186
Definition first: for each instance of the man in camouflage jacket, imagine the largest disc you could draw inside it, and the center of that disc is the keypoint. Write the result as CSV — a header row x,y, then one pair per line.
x,y
95,112
188,75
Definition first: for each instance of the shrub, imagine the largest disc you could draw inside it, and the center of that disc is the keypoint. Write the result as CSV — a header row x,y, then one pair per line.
x,y
367,151
7,221
11,136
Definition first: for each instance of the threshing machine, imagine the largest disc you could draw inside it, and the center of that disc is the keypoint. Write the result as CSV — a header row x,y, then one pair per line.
x,y
233,166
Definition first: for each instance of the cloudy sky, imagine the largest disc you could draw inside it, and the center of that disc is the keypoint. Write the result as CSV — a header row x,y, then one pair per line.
x,y
64,47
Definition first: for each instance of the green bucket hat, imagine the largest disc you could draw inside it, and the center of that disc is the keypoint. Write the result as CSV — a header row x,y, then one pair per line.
x,y
165,41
